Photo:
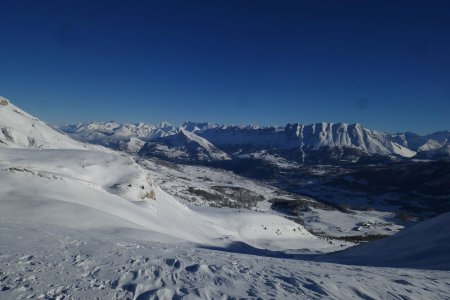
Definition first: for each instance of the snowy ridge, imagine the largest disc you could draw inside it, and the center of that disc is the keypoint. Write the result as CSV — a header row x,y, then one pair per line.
x,y
18,129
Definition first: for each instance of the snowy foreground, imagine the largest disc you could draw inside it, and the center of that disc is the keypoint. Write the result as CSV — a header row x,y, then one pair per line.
x,y
46,262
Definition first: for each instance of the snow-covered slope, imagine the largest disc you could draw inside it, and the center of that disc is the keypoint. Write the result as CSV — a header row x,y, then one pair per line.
x,y
425,245
184,145
44,262
21,130
62,187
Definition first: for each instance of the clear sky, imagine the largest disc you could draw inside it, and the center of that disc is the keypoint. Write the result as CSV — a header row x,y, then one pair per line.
x,y
385,64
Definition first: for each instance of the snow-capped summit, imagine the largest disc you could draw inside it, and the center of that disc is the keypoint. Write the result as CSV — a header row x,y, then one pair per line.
x,y
18,129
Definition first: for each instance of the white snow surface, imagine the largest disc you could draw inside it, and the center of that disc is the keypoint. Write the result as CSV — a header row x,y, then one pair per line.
x,y
47,262
18,129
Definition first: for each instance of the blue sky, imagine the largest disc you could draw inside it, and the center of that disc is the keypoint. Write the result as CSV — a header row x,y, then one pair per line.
x,y
384,64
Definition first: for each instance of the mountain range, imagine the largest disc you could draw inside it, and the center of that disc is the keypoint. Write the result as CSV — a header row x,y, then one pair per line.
x,y
305,144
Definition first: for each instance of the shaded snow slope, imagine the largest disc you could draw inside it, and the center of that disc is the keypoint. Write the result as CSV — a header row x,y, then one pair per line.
x,y
425,245
18,129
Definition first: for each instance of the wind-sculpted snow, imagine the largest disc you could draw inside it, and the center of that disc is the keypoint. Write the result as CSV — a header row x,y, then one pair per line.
x,y
44,262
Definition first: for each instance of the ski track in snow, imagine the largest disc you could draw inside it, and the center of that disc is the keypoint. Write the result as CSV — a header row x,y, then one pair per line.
x,y
45,262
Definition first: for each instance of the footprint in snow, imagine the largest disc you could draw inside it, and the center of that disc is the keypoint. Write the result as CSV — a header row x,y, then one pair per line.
x,y
173,263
